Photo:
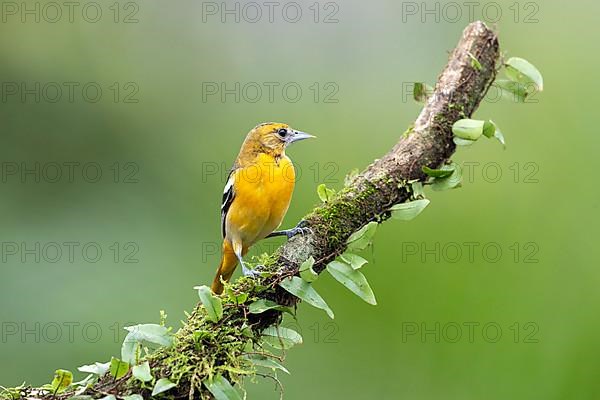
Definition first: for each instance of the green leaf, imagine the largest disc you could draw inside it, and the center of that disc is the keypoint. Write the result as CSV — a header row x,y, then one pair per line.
x,y
522,71
221,388
462,142
118,368
361,239
266,362
142,372
475,63
130,349
417,190
356,262
512,91
109,397
306,292
307,272
324,193
354,280
498,135
62,380
421,92
96,368
162,385
83,384
437,173
450,168
152,333
281,338
469,129
133,397
212,304
451,182
239,298
262,305
409,211
489,129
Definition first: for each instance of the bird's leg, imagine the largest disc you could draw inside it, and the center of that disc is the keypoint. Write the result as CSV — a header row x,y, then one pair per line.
x,y
237,249
300,229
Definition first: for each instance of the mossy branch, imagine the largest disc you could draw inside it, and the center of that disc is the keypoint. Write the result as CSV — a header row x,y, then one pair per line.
x,y
203,348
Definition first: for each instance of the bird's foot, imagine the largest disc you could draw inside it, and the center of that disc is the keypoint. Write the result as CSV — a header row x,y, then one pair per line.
x,y
300,229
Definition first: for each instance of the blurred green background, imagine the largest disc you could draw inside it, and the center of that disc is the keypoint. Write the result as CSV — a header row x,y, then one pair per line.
x,y
519,324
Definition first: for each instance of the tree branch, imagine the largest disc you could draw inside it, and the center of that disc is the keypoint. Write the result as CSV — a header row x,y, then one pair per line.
x,y
220,347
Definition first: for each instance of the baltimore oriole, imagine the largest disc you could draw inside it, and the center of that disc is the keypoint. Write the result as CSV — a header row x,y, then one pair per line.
x,y
257,195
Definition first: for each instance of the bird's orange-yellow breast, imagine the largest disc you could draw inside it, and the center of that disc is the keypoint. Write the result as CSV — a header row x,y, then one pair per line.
x,y
263,191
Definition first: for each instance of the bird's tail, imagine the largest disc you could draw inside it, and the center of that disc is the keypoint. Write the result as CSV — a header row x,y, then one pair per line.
x,y
226,268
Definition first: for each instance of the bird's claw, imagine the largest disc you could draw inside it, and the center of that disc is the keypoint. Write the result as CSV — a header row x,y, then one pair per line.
x,y
300,229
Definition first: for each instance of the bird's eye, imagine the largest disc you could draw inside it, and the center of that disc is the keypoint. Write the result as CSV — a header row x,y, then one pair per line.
x,y
282,132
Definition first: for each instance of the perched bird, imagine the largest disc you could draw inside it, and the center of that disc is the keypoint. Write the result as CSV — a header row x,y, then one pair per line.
x,y
257,195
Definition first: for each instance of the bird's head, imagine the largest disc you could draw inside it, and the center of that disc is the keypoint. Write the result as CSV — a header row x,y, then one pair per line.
x,y
276,136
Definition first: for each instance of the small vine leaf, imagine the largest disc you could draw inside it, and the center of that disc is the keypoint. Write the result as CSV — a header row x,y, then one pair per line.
x,y
469,129
130,349
152,333
498,135
266,362
142,372
212,304
325,194
118,368
356,262
409,211
354,280
281,338
62,380
221,388
421,92
491,130
262,305
304,290
462,142
237,298
95,368
522,71
361,239
84,384
417,190
307,272
133,397
437,173
162,385
451,182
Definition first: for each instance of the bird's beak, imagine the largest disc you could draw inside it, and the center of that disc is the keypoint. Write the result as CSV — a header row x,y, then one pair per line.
x,y
297,135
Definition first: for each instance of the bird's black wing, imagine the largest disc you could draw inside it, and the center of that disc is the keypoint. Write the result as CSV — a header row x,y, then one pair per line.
x,y
228,196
